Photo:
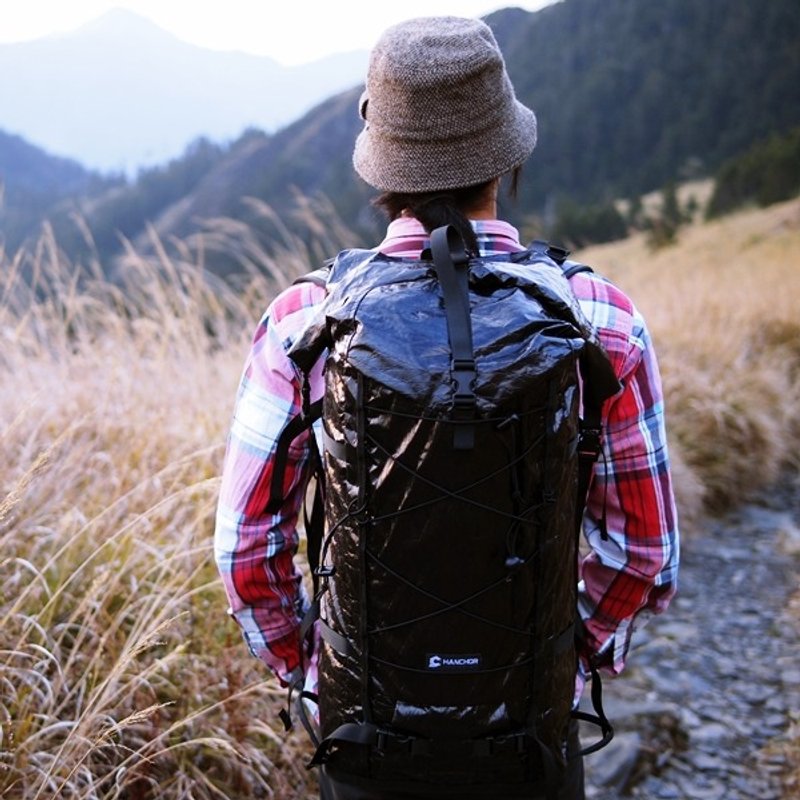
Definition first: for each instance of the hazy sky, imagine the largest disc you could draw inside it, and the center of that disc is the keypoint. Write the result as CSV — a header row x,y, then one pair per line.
x,y
290,31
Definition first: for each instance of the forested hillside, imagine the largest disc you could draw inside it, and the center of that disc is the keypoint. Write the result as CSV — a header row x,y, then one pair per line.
x,y
630,95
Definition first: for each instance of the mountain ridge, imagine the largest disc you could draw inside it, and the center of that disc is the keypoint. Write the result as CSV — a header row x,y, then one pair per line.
x,y
629,95
157,92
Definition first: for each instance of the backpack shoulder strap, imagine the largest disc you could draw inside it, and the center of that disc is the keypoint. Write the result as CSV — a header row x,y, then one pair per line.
x,y
590,436
559,255
302,421
294,427
570,268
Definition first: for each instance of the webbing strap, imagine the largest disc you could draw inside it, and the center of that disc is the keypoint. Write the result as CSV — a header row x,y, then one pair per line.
x,y
598,718
309,618
550,769
335,639
450,263
366,734
315,519
562,641
589,447
296,425
319,277
598,385
339,450
570,268
361,733
308,723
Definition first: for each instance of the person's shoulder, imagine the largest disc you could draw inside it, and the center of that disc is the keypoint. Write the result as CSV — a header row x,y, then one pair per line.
x,y
606,305
614,316
297,298
602,295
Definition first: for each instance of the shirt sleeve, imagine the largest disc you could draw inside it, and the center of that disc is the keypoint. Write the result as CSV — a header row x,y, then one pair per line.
x,y
255,550
631,570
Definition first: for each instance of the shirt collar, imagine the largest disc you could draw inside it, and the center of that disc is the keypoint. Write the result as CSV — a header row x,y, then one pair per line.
x,y
406,238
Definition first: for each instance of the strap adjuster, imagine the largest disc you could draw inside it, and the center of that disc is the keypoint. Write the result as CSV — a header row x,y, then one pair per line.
x,y
589,442
389,740
463,373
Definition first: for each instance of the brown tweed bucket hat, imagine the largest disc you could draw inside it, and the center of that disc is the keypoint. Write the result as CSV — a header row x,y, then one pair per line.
x,y
439,109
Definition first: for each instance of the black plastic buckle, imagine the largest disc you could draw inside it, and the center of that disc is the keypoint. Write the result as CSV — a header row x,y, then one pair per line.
x,y
463,373
305,391
558,254
589,442
386,740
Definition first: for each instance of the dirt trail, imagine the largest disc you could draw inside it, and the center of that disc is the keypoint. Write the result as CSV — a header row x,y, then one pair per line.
x,y
713,686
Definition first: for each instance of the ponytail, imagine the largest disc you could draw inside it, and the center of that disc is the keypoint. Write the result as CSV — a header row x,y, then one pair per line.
x,y
434,209
446,207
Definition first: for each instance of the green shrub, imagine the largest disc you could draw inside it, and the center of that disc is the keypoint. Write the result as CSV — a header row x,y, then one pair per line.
x,y
767,173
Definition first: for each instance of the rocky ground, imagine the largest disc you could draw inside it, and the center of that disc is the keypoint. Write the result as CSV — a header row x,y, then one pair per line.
x,y
712,693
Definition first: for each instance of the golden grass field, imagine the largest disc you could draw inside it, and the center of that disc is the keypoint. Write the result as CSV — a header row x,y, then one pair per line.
x,y
120,675
722,307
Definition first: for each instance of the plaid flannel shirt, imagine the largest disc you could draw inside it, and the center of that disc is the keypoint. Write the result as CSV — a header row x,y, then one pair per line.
x,y
625,577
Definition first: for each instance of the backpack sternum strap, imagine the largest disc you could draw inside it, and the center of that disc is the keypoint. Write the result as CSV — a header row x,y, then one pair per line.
x,y
450,262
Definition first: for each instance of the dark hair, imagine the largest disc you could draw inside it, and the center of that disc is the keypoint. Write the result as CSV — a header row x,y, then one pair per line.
x,y
447,207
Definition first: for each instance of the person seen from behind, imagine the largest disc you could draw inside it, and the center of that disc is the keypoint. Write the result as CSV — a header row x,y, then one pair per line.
x,y
442,129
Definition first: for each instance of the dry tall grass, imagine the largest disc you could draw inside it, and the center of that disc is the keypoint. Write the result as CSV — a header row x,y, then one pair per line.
x,y
119,675
722,305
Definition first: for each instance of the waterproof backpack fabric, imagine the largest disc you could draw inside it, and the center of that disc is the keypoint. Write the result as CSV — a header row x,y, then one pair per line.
x,y
446,582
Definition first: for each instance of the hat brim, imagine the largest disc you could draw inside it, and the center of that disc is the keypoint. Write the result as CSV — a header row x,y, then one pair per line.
x,y
384,161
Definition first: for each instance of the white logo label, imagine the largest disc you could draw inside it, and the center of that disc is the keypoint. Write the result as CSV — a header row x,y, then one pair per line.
x,y
453,663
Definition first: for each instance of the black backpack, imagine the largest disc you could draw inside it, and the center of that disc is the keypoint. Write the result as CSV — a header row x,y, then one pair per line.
x,y
453,475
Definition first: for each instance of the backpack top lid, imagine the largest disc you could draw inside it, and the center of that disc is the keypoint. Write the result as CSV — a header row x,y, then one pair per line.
x,y
381,306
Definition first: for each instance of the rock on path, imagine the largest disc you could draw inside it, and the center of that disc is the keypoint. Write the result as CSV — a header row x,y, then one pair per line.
x,y
712,684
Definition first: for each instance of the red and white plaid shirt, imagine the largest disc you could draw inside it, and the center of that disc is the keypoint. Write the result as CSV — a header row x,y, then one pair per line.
x,y
629,575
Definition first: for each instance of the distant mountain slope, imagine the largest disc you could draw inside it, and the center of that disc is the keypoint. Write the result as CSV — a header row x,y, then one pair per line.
x,y
306,156
25,166
120,92
630,94
209,182
33,183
